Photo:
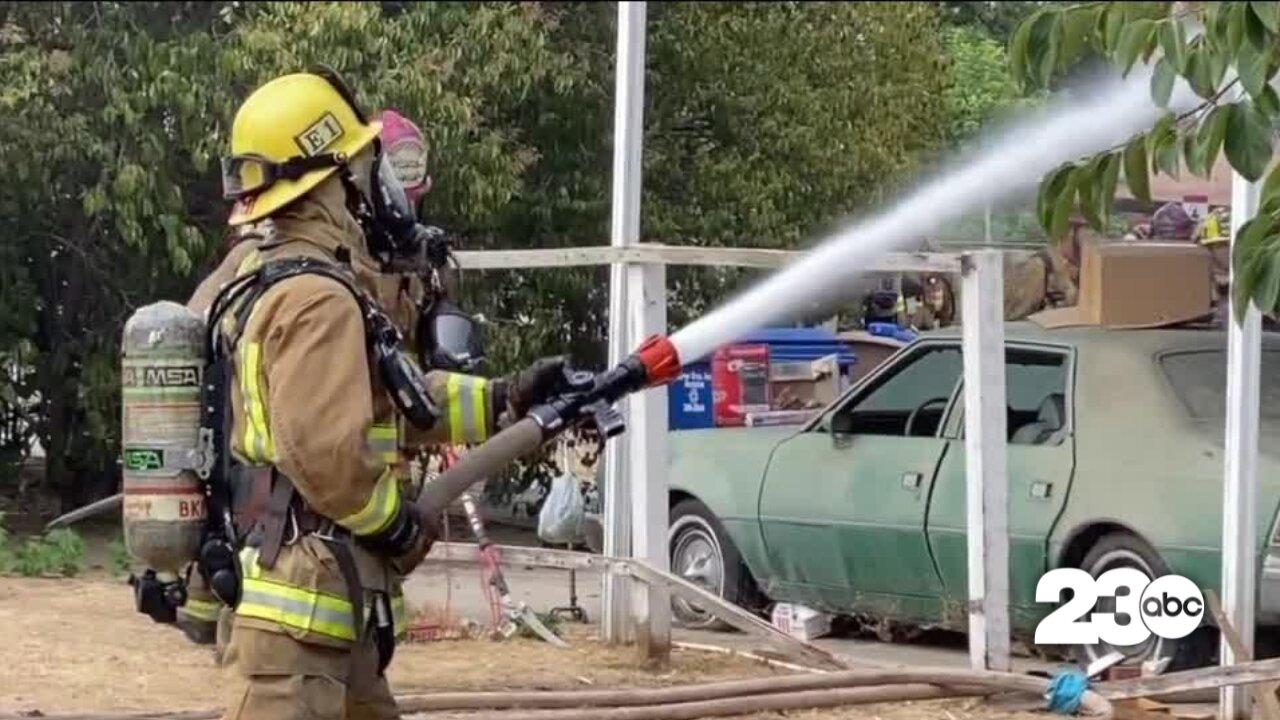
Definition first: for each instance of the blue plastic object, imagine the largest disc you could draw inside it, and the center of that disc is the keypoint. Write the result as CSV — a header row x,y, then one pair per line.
x,y
1066,690
906,335
893,330
883,329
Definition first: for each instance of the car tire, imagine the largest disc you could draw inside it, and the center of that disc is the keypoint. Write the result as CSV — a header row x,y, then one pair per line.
x,y
702,552
1124,549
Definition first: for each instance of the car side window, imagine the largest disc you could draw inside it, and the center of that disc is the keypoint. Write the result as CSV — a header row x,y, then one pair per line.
x,y
910,400
1036,395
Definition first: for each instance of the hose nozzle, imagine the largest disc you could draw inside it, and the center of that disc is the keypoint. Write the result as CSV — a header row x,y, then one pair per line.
x,y
660,359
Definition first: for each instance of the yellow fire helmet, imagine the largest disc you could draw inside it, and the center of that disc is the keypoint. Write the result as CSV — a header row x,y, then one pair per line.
x,y
287,137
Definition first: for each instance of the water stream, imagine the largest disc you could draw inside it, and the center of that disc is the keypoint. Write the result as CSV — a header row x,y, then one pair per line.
x,y
1009,162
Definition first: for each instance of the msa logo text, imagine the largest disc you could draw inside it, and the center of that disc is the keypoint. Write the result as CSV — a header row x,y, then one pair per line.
x,y
1137,607
184,376
143,459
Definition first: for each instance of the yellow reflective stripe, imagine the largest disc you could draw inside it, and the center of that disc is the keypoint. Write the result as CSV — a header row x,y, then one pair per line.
x,y
452,399
200,609
294,607
381,508
466,398
258,446
249,562
479,393
384,441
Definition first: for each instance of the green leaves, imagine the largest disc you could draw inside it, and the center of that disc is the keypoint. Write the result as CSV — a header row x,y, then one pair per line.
x,y
1136,40
1162,79
1208,140
1162,145
1173,41
1136,175
1248,140
1257,252
1255,68
1205,68
1043,46
1244,36
978,82
1096,186
1056,187
1253,255
1268,13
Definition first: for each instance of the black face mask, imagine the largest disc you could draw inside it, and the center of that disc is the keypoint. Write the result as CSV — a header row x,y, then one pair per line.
x,y
385,214
451,339
386,217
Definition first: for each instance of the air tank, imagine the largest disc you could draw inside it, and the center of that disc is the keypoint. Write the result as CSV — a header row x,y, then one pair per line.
x,y
164,499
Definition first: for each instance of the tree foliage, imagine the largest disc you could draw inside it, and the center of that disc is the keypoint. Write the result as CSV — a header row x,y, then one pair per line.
x,y
763,122
979,84
1235,117
996,19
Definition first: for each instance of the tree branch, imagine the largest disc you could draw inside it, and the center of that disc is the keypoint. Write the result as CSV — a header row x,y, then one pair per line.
x,y
1207,104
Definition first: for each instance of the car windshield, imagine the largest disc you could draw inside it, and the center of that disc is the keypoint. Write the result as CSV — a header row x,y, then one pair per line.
x,y
1200,380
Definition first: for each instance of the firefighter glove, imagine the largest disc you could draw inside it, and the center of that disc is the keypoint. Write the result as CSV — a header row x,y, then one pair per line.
x,y
535,384
406,540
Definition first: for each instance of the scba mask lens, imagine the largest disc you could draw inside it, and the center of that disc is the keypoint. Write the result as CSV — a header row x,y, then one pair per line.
x,y
453,339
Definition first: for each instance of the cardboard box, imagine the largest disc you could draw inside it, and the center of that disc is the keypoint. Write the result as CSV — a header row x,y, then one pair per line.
x,y
799,384
1138,285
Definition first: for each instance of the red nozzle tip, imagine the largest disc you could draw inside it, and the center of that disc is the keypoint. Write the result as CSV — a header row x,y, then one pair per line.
x,y
660,359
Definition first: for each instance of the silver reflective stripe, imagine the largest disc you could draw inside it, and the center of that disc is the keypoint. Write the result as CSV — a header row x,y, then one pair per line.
x,y
316,613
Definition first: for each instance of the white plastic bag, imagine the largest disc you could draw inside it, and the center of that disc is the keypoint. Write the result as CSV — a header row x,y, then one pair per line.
x,y
560,520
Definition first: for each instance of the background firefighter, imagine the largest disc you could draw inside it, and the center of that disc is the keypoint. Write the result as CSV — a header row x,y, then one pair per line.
x,y
310,634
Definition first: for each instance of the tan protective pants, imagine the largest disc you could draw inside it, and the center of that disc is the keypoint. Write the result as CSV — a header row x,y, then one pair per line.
x,y
280,678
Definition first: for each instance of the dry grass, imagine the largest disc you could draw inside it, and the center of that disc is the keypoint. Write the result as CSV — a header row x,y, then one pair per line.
x,y
78,645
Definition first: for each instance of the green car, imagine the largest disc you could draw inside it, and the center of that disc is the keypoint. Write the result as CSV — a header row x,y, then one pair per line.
x,y
1115,460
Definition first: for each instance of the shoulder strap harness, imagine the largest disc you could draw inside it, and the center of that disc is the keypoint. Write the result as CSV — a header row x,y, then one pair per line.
x,y
402,380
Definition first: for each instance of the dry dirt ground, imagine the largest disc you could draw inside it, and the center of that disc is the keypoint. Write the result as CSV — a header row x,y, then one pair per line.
x,y
77,645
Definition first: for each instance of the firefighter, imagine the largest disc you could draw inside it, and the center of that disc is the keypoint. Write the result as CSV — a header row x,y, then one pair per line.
x,y
314,417
406,149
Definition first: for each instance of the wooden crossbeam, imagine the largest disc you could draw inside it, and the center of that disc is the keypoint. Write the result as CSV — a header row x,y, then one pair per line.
x,y
467,554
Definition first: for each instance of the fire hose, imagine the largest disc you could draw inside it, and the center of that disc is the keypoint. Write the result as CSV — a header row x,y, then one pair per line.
x,y
590,398
721,699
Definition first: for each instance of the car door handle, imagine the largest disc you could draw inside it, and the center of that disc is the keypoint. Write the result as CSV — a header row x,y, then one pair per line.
x,y
1040,490
911,480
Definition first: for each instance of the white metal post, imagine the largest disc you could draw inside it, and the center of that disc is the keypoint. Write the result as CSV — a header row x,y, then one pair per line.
x,y
624,230
647,470
1239,519
986,464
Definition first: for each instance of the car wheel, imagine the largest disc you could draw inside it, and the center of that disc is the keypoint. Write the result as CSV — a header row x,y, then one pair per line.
x,y
703,554
1120,550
